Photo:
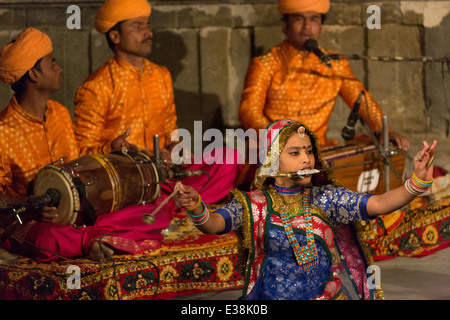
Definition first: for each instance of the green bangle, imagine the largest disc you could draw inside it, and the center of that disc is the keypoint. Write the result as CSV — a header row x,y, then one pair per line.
x,y
197,216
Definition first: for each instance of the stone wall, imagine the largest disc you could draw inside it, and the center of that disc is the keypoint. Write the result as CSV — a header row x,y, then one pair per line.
x,y
208,44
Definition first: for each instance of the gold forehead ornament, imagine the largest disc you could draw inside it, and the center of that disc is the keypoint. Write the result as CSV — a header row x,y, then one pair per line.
x,y
301,132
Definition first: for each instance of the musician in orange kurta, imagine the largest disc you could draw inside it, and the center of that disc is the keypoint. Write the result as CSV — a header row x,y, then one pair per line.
x,y
119,96
290,82
128,91
34,132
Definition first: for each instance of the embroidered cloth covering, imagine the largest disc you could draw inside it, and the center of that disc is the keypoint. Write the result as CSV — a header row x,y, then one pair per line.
x,y
188,262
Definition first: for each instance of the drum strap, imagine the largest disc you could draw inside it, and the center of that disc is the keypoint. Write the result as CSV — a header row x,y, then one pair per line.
x,y
88,207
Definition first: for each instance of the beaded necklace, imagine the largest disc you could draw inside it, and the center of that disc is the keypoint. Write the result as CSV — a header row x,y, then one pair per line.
x,y
287,190
296,194
306,256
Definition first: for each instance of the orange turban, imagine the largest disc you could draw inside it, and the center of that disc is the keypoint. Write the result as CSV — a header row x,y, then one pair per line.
x,y
296,6
114,11
22,53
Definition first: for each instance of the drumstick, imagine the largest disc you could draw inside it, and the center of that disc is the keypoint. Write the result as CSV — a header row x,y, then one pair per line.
x,y
149,218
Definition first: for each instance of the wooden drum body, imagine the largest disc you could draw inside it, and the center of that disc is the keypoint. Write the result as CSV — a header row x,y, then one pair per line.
x,y
365,171
108,182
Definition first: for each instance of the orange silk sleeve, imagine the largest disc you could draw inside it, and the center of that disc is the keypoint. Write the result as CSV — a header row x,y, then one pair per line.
x,y
89,121
5,171
253,99
170,123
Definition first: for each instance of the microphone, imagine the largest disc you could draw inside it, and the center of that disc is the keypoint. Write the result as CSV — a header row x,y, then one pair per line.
x,y
348,132
179,174
50,198
312,46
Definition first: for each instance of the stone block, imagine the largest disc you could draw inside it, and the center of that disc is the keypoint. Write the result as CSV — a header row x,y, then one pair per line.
x,y
390,12
71,51
222,73
438,75
5,90
348,40
239,51
265,38
47,16
212,15
398,86
99,50
163,16
214,49
344,14
12,18
177,49
261,14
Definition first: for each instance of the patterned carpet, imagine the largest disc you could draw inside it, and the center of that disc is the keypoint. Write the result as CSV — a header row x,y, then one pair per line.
x,y
187,263
418,230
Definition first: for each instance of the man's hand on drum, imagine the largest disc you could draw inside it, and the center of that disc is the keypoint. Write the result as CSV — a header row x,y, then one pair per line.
x,y
166,155
183,156
121,144
49,214
422,161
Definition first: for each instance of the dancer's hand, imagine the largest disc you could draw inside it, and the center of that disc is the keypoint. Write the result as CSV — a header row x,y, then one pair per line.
x,y
421,160
187,197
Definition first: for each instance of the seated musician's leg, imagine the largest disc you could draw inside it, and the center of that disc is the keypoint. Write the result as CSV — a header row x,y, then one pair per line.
x,y
51,241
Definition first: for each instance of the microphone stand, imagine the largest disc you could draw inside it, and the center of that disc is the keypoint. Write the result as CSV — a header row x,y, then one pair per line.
x,y
157,160
385,153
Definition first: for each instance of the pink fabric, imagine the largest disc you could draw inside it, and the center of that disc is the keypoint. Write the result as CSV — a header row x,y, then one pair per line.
x,y
222,176
351,249
124,228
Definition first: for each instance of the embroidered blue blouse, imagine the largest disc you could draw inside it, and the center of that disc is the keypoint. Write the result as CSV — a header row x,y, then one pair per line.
x,y
340,204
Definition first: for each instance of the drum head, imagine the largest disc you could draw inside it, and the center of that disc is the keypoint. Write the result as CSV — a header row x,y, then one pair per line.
x,y
58,178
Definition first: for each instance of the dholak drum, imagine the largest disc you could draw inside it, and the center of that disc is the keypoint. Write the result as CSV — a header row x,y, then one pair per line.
x,y
365,169
106,182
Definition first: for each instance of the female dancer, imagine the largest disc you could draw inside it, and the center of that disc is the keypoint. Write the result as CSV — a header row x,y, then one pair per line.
x,y
296,227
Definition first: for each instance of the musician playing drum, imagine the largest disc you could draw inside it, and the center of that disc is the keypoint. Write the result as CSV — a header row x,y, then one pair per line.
x,y
129,90
291,82
34,132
